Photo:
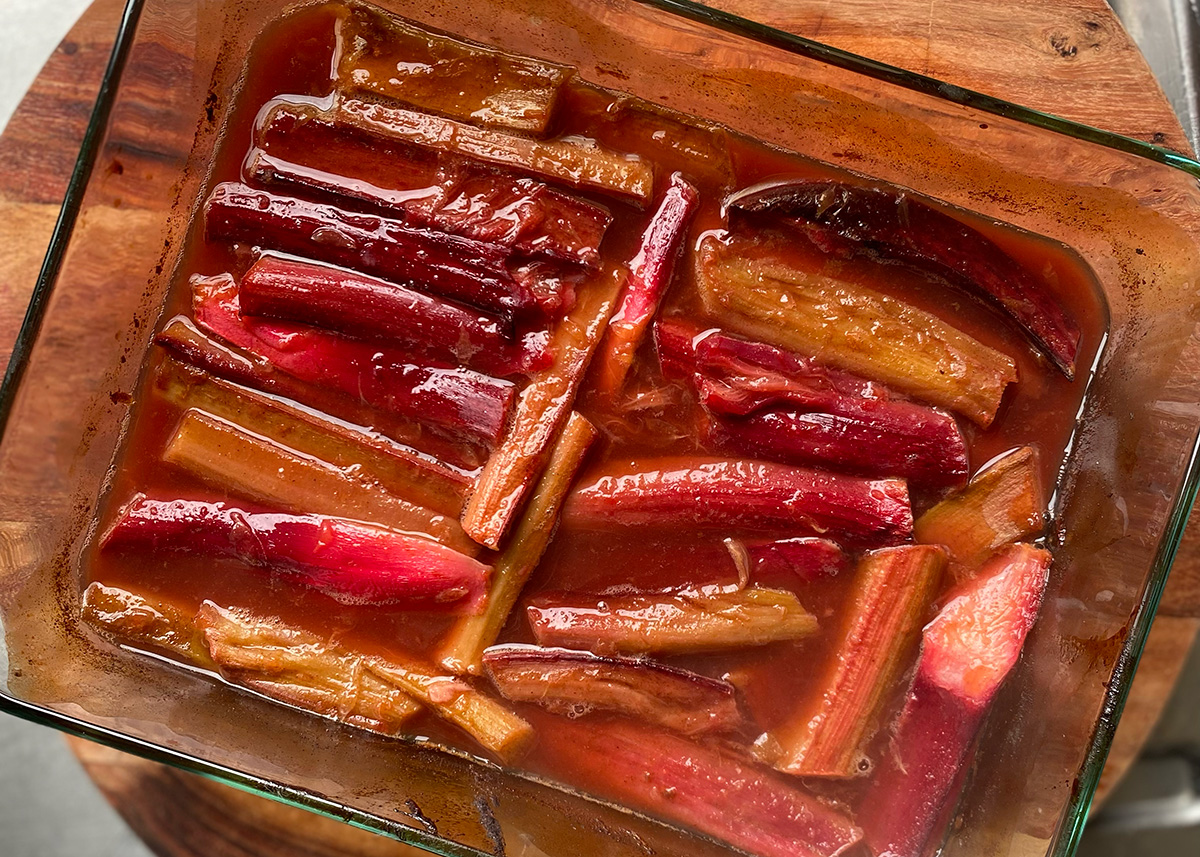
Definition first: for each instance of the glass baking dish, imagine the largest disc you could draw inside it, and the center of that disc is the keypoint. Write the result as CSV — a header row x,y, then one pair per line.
x,y
1132,211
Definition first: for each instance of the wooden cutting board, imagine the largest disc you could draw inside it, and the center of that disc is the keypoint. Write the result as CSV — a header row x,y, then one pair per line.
x,y
1070,58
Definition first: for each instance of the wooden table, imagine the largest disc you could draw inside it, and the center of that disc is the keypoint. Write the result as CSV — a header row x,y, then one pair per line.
x,y
1070,58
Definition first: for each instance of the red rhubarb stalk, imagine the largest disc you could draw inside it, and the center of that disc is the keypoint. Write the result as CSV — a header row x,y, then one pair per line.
x,y
769,403
696,786
743,495
566,681
445,264
968,651
351,562
903,225
363,307
302,150
649,276
457,401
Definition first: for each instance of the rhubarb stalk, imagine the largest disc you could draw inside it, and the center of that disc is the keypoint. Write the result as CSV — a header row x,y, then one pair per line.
x,y
797,560
742,495
351,562
230,459
145,622
854,328
541,412
387,57
703,620
463,648
885,610
413,477
587,167
649,276
459,402
573,683
1003,504
968,650
697,786
299,668
448,265
902,225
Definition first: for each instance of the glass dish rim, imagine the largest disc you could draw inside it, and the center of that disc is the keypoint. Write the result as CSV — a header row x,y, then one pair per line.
x,y
1131,650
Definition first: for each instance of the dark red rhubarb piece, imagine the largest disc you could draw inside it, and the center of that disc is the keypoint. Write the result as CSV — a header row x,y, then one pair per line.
x,y
649,276
363,307
302,150
438,262
571,682
902,225
352,562
967,652
742,495
782,561
696,786
457,401
768,403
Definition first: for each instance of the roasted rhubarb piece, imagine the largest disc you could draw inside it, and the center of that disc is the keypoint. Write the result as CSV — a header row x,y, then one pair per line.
x,y
696,786
438,262
186,343
463,648
351,562
388,57
781,406
880,627
854,328
368,308
899,224
299,668
649,276
459,402
967,652
802,560
742,495
231,459
570,162
487,721
541,412
413,477
144,622
571,682
702,620
1003,504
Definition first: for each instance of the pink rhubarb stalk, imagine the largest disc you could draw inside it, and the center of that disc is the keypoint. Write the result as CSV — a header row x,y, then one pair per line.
x,y
351,562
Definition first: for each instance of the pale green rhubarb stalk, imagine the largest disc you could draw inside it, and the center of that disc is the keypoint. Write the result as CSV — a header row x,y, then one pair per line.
x,y
462,650
144,622
705,620
541,412
227,456
854,328
1002,504
876,643
418,479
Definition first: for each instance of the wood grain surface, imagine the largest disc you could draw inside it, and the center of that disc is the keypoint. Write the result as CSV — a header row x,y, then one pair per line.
x,y
1069,57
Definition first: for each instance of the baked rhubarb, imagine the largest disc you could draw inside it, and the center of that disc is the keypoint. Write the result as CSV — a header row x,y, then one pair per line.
x,y
649,276
967,652
881,622
571,682
351,562
697,786
899,224
742,495
447,265
854,328
701,620
145,622
788,561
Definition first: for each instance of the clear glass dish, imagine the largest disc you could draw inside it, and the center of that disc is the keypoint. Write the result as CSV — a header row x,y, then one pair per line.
x,y
1131,210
